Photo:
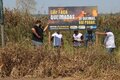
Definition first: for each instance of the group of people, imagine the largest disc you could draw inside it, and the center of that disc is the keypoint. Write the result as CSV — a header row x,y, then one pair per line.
x,y
87,39
78,38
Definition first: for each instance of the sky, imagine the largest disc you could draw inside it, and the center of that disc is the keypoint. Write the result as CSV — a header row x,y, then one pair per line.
x,y
104,6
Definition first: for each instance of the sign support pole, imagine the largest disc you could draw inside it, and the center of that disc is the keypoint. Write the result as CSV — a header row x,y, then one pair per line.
x,y
2,23
96,39
2,35
49,37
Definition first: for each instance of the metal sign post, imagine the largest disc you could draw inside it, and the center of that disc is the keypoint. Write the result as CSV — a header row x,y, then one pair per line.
x,y
2,23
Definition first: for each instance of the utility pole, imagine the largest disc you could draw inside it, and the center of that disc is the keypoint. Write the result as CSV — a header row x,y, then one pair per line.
x,y
2,23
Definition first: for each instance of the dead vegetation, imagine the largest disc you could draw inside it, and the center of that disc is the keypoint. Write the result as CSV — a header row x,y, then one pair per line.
x,y
19,61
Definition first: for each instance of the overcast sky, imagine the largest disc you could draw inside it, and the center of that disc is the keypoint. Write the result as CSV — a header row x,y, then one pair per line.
x,y
104,6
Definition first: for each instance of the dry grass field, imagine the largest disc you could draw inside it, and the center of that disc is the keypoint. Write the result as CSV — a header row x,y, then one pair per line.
x,y
19,60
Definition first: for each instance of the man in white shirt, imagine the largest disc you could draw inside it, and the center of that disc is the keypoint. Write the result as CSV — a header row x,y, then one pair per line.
x,y
57,39
77,38
109,40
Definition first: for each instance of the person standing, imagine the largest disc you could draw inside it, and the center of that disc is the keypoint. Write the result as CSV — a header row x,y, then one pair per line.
x,y
77,39
37,33
109,40
89,37
57,39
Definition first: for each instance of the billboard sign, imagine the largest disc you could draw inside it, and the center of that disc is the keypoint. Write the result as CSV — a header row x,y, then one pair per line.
x,y
71,18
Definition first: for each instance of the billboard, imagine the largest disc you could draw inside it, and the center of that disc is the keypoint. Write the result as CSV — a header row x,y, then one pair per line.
x,y
71,18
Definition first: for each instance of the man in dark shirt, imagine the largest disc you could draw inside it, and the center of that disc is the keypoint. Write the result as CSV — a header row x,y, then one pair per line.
x,y
37,34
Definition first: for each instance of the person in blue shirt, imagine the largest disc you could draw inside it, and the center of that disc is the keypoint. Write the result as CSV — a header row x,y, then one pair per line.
x,y
89,37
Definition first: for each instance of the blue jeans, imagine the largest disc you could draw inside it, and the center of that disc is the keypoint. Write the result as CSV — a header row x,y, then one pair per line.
x,y
87,43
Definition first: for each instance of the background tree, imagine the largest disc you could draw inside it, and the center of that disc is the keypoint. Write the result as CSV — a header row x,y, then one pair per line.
x,y
26,5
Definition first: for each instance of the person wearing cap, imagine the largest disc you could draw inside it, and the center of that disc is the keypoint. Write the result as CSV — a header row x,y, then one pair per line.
x,y
77,38
57,39
109,40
